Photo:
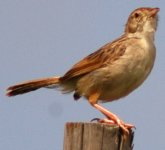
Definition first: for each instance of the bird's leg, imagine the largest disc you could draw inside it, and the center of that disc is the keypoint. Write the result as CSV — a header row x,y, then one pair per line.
x,y
111,117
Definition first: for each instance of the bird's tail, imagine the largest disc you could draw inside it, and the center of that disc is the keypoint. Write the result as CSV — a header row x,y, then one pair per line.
x,y
32,85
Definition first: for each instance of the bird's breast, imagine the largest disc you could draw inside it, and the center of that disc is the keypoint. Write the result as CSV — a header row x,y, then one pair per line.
x,y
130,71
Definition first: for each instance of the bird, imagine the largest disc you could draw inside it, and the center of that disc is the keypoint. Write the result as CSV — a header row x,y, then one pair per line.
x,y
110,73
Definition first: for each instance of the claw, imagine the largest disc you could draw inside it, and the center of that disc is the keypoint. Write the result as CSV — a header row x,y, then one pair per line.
x,y
129,126
95,119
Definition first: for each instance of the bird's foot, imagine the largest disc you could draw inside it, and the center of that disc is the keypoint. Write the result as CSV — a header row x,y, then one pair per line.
x,y
113,119
125,126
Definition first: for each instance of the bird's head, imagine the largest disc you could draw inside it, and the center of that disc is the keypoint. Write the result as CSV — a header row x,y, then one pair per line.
x,y
142,20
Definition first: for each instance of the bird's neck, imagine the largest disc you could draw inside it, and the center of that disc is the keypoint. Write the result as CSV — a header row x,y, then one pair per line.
x,y
143,34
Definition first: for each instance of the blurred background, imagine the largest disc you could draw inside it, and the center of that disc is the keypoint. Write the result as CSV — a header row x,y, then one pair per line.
x,y
44,38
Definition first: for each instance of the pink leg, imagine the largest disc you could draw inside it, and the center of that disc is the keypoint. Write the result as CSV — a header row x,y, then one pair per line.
x,y
113,118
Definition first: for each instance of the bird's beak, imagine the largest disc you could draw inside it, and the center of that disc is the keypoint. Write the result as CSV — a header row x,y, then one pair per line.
x,y
154,12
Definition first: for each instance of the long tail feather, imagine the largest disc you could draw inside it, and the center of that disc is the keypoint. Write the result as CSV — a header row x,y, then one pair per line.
x,y
31,85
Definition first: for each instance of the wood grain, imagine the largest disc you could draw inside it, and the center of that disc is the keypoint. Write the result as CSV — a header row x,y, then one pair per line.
x,y
95,136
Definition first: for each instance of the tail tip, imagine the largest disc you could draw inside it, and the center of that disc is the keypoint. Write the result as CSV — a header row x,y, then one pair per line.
x,y
9,93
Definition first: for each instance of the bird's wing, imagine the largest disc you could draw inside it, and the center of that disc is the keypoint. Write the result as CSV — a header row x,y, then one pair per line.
x,y
106,54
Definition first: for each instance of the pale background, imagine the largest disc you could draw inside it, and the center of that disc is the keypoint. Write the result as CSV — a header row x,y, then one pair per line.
x,y
40,38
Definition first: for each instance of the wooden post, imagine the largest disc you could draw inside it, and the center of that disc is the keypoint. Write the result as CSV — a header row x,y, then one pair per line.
x,y
96,136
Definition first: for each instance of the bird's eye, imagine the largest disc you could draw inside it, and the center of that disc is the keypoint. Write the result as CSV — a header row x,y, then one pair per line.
x,y
136,15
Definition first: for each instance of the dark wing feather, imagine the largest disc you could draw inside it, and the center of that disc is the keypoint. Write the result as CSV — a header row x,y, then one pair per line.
x,y
111,52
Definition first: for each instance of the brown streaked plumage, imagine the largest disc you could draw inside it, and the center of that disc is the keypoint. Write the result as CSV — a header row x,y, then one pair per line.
x,y
111,72
106,54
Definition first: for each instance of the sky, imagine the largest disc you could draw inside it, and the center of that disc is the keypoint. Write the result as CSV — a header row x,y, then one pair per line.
x,y
42,38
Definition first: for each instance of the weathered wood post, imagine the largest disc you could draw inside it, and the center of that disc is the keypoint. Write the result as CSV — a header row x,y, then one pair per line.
x,y
96,136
